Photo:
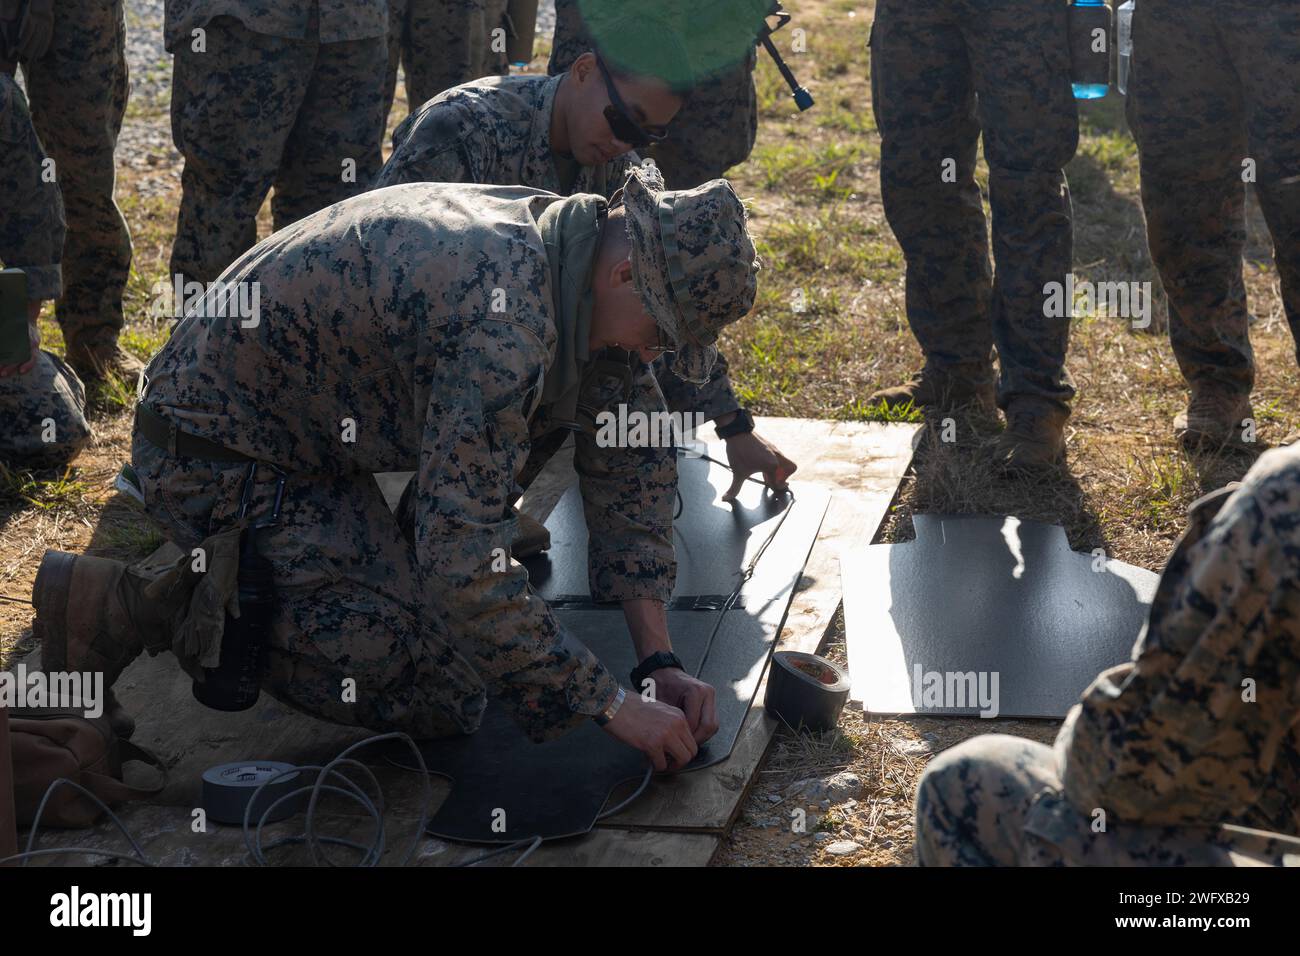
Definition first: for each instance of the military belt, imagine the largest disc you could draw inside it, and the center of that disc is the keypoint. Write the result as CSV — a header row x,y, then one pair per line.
x,y
162,432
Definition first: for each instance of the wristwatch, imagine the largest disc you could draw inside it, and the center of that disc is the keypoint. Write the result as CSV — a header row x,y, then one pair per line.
x,y
606,715
742,424
651,664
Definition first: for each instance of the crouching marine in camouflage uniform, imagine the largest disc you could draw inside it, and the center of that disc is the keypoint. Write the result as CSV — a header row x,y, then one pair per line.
x,y
716,128
42,403
551,133
447,330
1212,103
1185,756
284,94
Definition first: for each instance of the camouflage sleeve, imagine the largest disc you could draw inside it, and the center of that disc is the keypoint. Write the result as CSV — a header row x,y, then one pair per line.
x,y
31,210
628,495
439,143
1191,731
486,384
712,399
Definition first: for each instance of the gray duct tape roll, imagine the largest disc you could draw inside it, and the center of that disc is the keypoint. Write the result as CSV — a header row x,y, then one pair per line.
x,y
229,787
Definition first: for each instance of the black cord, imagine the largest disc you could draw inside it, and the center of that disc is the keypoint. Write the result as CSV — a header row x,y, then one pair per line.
x,y
15,600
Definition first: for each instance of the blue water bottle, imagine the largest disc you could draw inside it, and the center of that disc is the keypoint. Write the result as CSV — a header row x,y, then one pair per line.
x,y
1090,22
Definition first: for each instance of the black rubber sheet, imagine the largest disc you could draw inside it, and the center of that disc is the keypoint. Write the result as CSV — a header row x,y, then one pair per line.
x,y
559,788
988,598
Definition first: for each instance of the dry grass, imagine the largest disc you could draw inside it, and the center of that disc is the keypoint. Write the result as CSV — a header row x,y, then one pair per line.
x,y
812,185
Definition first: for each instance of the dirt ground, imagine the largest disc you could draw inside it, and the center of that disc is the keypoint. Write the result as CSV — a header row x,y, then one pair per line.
x,y
813,190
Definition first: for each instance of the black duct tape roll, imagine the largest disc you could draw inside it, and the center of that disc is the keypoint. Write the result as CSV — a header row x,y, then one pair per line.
x,y
806,691
1090,35
228,787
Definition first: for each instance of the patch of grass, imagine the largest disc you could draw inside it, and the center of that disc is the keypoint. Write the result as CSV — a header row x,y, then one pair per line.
x,y
47,494
860,410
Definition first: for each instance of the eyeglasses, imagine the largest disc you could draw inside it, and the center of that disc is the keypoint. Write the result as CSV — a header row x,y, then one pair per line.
x,y
620,119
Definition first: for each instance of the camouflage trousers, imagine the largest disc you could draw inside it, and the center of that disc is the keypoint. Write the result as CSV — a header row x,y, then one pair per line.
x,y
78,93
1212,86
32,225
942,73
997,800
441,44
715,129
358,637
44,415
255,111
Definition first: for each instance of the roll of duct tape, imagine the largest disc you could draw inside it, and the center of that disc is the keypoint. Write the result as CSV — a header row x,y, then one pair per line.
x,y
805,691
228,788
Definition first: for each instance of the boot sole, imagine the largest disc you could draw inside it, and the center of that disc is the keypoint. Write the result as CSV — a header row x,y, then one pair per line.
x,y
50,596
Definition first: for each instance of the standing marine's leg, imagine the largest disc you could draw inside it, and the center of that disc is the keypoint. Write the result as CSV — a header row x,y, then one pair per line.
x,y
398,25
450,43
924,104
1019,52
334,150
78,93
233,107
1264,43
1186,112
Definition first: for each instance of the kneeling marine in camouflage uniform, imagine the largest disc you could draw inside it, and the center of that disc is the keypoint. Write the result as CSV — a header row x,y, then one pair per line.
x,y
1188,755
444,329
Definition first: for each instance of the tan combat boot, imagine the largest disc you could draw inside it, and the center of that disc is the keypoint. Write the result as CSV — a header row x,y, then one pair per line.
x,y
97,615
1214,417
95,365
531,538
941,389
1034,440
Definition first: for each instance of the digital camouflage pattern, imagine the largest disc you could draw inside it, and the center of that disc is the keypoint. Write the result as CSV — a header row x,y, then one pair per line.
x,y
441,44
78,93
32,226
1213,84
44,415
495,131
329,21
498,131
43,410
259,109
928,62
1198,731
715,129
408,329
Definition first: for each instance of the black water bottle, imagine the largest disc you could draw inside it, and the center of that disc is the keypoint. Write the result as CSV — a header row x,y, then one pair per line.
x,y
236,682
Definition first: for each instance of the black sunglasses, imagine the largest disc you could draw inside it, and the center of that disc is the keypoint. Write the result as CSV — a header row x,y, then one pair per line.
x,y
620,120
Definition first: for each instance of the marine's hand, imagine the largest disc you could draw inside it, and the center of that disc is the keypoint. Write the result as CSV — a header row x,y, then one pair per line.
x,y
750,453
658,730
691,696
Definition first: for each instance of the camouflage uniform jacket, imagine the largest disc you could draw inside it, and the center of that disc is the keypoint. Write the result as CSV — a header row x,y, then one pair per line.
x,y
412,329
336,19
498,130
1201,726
